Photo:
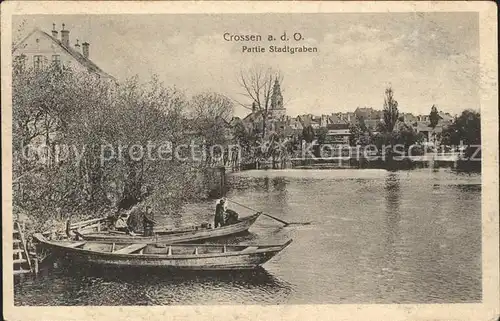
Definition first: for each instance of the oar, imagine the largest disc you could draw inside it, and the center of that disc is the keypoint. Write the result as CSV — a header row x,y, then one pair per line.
x,y
270,216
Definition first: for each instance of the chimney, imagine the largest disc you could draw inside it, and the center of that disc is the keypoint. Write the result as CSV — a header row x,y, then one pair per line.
x,y
323,121
85,48
54,31
77,46
65,36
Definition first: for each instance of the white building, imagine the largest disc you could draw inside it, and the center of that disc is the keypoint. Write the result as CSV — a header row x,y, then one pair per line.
x,y
39,50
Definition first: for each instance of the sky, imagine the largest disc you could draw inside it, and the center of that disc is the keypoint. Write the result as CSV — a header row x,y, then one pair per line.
x,y
427,58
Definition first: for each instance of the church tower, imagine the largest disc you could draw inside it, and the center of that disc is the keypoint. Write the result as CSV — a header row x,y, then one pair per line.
x,y
277,109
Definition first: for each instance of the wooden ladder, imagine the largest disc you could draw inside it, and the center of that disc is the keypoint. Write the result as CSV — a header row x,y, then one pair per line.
x,y
21,259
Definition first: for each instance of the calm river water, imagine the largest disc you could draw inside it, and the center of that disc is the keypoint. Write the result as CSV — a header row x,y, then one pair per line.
x,y
376,237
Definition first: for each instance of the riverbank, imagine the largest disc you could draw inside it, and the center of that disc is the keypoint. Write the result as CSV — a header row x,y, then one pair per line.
x,y
338,163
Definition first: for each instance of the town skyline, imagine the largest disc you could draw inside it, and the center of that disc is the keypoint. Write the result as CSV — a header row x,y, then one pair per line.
x,y
428,59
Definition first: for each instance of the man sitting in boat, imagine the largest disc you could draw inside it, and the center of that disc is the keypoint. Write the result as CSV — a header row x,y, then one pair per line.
x,y
231,217
121,224
219,214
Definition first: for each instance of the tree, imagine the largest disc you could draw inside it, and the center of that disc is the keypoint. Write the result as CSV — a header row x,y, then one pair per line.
x,y
210,116
321,133
465,129
381,127
308,134
246,140
362,124
434,120
47,106
391,112
360,134
355,134
210,106
434,117
257,85
145,115
406,136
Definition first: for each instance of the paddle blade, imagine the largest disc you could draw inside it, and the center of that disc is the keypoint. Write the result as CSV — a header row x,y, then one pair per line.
x,y
298,223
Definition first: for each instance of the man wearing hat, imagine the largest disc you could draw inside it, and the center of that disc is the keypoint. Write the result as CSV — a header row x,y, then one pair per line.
x,y
219,214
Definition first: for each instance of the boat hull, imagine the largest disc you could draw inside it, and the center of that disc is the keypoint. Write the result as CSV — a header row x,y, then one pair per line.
x,y
182,237
240,262
241,258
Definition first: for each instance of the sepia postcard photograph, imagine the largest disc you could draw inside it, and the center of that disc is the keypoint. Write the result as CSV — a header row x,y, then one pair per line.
x,y
250,160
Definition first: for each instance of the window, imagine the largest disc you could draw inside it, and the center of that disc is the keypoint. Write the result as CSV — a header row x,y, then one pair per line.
x,y
56,60
20,62
38,62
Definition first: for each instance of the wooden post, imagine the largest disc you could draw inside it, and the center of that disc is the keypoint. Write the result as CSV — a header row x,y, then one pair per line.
x,y
36,266
222,181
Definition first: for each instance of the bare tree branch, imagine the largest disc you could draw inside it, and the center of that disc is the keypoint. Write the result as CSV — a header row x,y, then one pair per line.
x,y
257,85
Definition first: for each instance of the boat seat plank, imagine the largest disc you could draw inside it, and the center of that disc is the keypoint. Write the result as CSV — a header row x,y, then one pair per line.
x,y
131,248
17,272
249,249
77,244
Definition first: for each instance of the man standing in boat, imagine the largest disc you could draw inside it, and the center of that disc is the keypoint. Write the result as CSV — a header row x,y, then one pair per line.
x,y
219,214
148,222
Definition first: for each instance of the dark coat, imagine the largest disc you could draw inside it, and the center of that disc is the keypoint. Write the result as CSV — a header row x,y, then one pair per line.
x,y
219,210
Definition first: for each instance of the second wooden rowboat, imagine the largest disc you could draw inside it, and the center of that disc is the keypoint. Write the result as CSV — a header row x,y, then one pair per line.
x,y
174,235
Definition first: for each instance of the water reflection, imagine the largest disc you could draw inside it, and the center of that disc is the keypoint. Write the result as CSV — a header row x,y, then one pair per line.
x,y
467,188
97,285
266,183
393,202
392,190
279,184
263,184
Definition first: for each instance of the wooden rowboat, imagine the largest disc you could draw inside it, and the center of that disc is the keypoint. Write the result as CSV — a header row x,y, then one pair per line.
x,y
174,235
175,256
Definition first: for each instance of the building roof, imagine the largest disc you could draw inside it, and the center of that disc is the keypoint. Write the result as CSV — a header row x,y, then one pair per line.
x,y
423,126
221,120
371,123
252,116
309,120
341,132
337,126
235,121
368,113
294,122
86,62
409,117
336,119
446,117
346,116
